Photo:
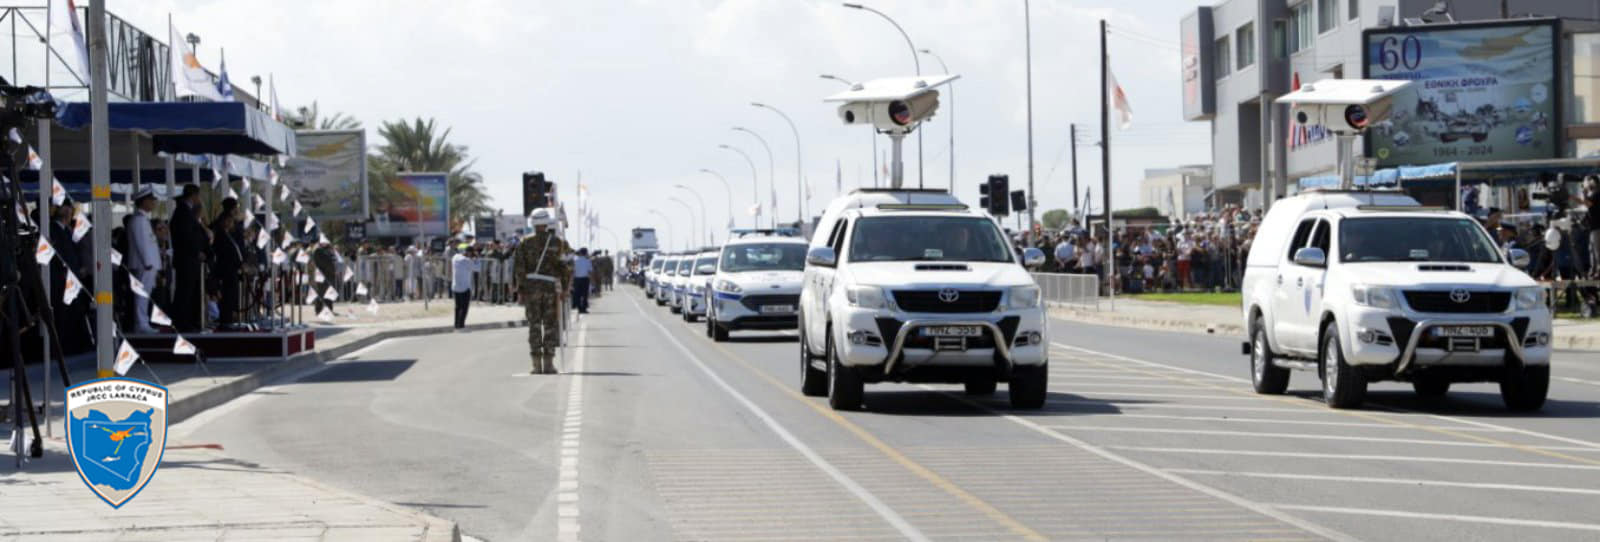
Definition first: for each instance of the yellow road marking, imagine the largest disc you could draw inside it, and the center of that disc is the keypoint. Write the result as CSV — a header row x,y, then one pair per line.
x,y
1301,403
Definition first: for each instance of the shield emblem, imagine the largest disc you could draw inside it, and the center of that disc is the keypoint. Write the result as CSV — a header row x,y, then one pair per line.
x,y
117,433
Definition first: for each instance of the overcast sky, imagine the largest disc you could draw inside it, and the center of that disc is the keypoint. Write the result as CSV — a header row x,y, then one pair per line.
x,y
637,94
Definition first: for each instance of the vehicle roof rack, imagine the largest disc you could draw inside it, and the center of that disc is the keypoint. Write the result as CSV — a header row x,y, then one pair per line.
x,y
779,232
922,206
1403,208
894,190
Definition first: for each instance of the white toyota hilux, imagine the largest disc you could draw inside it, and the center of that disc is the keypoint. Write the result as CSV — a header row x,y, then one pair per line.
x,y
1367,286
757,285
911,286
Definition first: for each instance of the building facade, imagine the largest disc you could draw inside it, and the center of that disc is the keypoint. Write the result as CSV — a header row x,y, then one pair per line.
x,y
1239,54
1176,192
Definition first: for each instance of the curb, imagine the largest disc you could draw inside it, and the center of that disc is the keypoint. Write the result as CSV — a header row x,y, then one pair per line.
x,y
186,407
1123,320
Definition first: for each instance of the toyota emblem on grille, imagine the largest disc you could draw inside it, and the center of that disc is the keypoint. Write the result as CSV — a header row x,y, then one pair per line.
x,y
949,295
1459,295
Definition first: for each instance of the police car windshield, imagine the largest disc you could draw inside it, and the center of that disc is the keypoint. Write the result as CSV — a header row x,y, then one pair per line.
x,y
708,259
764,257
928,238
686,266
670,267
1399,239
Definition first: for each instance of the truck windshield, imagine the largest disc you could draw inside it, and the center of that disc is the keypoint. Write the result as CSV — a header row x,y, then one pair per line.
x,y
708,259
764,257
927,238
1396,239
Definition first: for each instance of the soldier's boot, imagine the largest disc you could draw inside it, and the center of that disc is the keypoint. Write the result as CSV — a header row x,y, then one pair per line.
x,y
549,364
538,362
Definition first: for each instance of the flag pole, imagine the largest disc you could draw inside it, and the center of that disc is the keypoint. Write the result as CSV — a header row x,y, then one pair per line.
x,y
1105,168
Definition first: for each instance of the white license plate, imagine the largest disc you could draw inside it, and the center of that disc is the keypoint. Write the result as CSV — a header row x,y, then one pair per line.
x,y
1464,331
776,309
952,331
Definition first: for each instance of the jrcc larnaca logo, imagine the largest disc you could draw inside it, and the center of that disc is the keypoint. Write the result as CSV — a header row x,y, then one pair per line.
x,y
117,432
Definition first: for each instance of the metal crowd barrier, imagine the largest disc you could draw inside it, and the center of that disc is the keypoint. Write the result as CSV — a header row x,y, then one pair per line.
x,y
1071,290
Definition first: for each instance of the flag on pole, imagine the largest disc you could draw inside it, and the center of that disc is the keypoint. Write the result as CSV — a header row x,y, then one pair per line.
x,y
116,258
297,208
348,274
311,296
283,195
755,209
272,175
125,358
260,203
14,135
372,307
279,256
1119,101
310,223
44,252
272,221
224,87
80,226
303,258
73,288
64,21
183,347
189,78
34,163
323,239
361,289
326,316
316,275
58,193
158,317
287,241
274,108
231,194
137,287
263,238
332,295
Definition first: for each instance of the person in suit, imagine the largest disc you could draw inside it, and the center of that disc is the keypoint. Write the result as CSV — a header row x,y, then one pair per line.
x,y
190,241
144,256
227,262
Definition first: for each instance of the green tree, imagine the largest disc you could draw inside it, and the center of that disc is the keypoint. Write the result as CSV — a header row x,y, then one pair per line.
x,y
1055,219
420,146
310,118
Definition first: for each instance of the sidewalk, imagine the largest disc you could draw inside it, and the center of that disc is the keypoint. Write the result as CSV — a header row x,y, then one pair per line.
x,y
1218,320
208,495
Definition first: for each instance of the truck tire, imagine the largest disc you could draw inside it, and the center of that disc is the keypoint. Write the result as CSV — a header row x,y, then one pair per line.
x,y
1431,387
1526,391
844,385
1342,385
813,381
980,385
1028,385
1266,378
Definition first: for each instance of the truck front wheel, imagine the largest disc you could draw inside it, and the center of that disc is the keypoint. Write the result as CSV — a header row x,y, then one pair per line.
x,y
1342,385
1525,391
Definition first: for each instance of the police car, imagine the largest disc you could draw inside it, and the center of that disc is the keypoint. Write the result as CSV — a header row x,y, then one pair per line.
x,y
757,284
703,265
661,281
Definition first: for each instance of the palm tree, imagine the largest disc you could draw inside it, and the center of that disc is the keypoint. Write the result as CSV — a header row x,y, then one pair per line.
x,y
309,118
421,146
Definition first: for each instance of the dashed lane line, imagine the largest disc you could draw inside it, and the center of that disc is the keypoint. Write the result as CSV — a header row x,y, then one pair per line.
x,y
1353,457
883,510
1389,481
1294,436
1232,419
1443,517
568,513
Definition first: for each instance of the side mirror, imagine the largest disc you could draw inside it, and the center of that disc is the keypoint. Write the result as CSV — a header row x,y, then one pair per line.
x,y
821,256
1519,257
1032,257
1311,257
706,269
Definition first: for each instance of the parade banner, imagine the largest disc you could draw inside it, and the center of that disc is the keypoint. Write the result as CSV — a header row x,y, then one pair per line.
x,y
329,174
1480,92
414,204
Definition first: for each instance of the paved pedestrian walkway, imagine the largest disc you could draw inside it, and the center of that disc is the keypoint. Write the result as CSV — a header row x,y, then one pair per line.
x,y
209,495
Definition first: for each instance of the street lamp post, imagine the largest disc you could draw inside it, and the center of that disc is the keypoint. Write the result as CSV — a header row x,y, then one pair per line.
x,y
873,132
688,209
727,189
755,183
667,222
946,69
772,171
915,61
705,219
799,169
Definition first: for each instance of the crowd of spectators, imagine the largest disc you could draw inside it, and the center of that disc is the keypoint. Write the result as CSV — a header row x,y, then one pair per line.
x,y
1204,252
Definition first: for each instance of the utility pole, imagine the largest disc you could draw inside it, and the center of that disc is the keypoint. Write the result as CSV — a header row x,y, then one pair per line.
x,y
1105,162
1073,129
1027,32
100,188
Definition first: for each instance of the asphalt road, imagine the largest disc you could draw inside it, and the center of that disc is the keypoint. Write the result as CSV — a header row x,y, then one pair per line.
x,y
661,434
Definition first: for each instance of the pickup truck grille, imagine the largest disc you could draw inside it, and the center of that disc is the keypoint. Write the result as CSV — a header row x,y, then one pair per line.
x,y
1440,301
928,301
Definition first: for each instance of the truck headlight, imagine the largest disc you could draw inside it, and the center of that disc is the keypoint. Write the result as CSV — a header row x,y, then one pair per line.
x,y
1373,296
1023,297
866,297
1529,298
725,285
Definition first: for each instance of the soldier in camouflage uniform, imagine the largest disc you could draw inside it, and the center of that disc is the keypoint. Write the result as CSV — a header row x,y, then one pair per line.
x,y
543,254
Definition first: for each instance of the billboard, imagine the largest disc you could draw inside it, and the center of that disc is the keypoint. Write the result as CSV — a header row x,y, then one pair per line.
x,y
414,204
329,174
1199,76
1480,92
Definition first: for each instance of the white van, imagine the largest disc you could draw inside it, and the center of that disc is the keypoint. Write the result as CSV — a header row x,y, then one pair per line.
x,y
1363,286
911,286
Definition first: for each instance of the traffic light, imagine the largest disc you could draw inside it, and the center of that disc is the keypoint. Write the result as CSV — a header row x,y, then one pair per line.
x,y
535,192
983,196
999,186
1019,201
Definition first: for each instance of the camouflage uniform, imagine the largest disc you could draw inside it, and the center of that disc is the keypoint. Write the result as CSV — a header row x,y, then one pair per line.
x,y
540,298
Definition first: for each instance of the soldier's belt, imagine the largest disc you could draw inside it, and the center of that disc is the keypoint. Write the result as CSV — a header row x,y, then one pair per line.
x,y
536,276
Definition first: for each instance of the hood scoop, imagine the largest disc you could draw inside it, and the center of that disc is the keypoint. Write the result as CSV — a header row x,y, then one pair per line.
x,y
1444,267
942,267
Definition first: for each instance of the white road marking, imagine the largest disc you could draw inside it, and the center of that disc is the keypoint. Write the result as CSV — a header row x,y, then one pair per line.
x,y
1394,481
567,492
1225,419
1578,380
1354,457
888,514
1185,482
1309,436
1525,432
1441,517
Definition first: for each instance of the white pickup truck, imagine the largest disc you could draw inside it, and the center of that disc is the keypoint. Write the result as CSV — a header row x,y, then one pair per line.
x,y
1364,286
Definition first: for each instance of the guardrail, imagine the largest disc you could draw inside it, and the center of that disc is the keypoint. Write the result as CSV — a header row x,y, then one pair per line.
x,y
1072,290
